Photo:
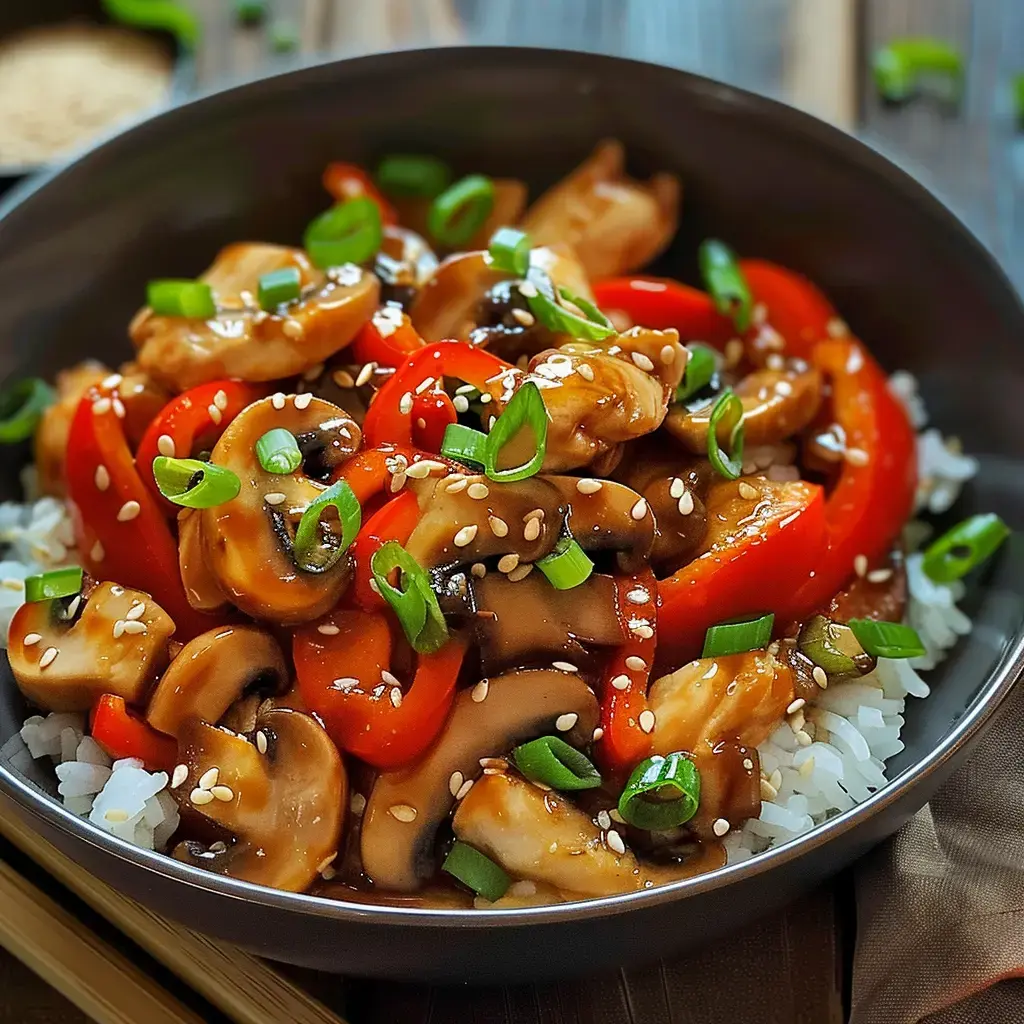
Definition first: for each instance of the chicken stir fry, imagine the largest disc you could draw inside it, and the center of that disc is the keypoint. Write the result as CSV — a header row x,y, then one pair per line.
x,y
444,561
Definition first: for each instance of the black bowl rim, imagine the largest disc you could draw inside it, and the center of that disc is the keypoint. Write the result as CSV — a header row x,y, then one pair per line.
x,y
788,119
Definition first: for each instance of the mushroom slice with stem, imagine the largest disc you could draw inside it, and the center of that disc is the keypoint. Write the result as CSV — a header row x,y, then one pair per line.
x,y
201,587
240,339
248,541
212,672
406,807
282,812
67,652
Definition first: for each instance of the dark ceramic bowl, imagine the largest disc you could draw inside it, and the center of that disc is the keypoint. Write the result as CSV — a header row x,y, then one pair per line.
x,y
76,251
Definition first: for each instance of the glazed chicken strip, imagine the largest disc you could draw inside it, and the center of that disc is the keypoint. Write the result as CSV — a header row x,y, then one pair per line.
x,y
615,223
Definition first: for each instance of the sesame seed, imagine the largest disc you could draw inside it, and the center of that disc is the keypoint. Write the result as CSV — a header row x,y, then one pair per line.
x,y
328,629
398,481
219,847
796,720
636,664
668,354
479,570
465,389
136,611
464,789
343,379
402,812
73,606
537,513
225,794
461,403
598,733
642,630
677,488
485,398
101,478
365,373
685,505
277,401
48,657
209,778
837,328
128,511
856,456
275,497
457,483
357,803
879,575
768,791
261,741
345,683
746,491
615,842
564,666
135,627
466,535
637,596
313,372
215,414
498,526
748,764
621,682
860,565
395,696
508,562
639,510
118,629
200,797
179,775
532,530
101,406
563,723
221,400
587,485
720,827
419,470
520,572
795,706
32,638
424,384
479,694
803,739
292,329
116,814
302,401
604,820
523,317
478,491
528,290
455,781
165,446
647,720
639,359
405,405
820,677
112,381
586,371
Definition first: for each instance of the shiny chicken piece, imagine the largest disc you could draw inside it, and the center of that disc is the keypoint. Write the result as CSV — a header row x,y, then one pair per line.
x,y
615,223
243,341
67,652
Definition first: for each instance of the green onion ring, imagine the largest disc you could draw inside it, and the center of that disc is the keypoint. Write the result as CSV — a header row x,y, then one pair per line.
x,y
56,583
279,287
525,409
350,232
193,483
834,647
887,639
406,174
278,452
509,250
476,871
21,408
177,297
413,600
728,411
311,553
964,547
700,370
464,444
552,761
662,793
738,637
592,326
567,566
459,212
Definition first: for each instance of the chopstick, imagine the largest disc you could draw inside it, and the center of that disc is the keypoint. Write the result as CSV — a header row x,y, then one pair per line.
x,y
93,975
242,986
821,72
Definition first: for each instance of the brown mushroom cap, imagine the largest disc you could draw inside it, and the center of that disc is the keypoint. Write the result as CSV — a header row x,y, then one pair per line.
x,y
242,340
97,652
406,807
284,809
248,540
201,587
213,671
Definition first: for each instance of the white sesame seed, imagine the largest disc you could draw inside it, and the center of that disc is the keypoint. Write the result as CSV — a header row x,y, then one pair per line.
x,y
615,842
563,723
32,638
165,446
639,359
277,401
302,401
455,781
479,570
532,530
856,456
112,381
748,764
528,290
261,741
357,804
365,373
478,491
328,629
860,565
275,497
461,403
768,791
479,694
820,677
639,510
720,827
564,666
636,664
464,789
48,657
10,583
677,488
101,478
118,629
637,596
733,351
647,720
508,562
795,706
116,814
128,511
200,797
292,329
405,405
837,328
597,734
621,682
343,379
135,627
796,721
225,794
73,606
498,526
179,776
485,398
424,384
604,820
803,739
345,683
136,611
402,812
215,414
209,778
746,491
101,406
685,505
221,400
118,407
642,630
668,354
586,371
466,535
879,575
418,470
395,696
587,485
465,389
537,513
457,483
96,552
520,572
398,481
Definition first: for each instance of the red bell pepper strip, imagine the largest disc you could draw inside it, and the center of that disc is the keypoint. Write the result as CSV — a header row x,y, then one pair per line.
x,y
385,419
348,181
756,555
660,303
365,713
625,741
189,421
121,532
394,521
431,414
121,734
380,342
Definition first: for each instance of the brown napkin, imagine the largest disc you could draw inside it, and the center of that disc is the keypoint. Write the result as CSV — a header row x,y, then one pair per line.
x,y
940,908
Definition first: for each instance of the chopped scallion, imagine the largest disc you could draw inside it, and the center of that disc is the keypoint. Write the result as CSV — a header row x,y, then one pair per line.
x,y
174,297
278,287
725,281
194,484
552,761
509,249
727,413
738,637
476,871
592,326
350,232
567,566
964,547
887,639
900,66
526,409
700,369
464,444
413,601
56,583
313,552
461,210
278,451
407,174
662,793
21,408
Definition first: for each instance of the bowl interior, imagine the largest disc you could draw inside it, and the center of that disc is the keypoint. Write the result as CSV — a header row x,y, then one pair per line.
x,y
76,253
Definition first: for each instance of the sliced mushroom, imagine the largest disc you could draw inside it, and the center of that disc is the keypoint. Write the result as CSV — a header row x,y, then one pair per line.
x,y
213,671
615,223
282,812
65,653
403,265
776,404
406,807
248,540
243,341
201,587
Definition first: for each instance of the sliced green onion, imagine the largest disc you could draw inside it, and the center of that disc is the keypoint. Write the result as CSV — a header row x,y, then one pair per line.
x,y
509,249
464,444
175,297
53,584
738,637
887,639
250,12
834,647
592,326
476,871
312,552
728,412
963,547
662,792
413,600
526,409
162,15
726,283
567,566
284,36
278,287
700,369
552,761
350,232
194,484
459,212
21,408
278,451
407,174
900,66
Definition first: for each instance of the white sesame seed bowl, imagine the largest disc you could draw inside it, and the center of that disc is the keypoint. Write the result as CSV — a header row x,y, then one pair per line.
x,y
77,248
